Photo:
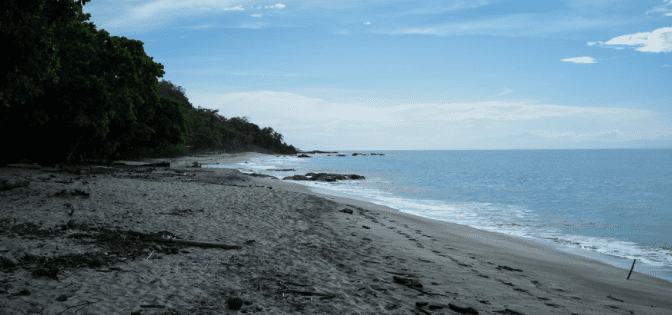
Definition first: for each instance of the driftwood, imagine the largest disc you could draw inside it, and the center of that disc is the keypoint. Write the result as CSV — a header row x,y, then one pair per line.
x,y
194,243
184,242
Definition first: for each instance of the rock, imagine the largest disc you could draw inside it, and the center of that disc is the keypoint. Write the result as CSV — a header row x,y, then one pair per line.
x,y
11,183
62,298
195,164
420,304
296,177
348,211
356,154
316,151
234,303
462,310
303,156
283,170
8,262
377,154
341,155
257,175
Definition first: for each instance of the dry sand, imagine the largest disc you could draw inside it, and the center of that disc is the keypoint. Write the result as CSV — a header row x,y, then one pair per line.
x,y
300,254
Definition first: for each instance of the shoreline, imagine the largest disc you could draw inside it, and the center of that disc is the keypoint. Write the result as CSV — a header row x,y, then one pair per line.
x,y
373,260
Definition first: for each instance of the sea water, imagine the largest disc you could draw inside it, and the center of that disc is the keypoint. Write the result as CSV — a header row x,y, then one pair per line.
x,y
610,205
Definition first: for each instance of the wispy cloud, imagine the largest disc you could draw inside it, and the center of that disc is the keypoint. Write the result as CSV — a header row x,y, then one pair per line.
x,y
665,9
579,60
509,25
505,91
659,40
367,23
255,15
364,122
276,6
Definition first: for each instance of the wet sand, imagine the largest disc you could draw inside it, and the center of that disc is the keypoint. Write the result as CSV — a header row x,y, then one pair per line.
x,y
299,252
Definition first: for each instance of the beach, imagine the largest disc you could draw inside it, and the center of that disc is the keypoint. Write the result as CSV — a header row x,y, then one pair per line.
x,y
290,251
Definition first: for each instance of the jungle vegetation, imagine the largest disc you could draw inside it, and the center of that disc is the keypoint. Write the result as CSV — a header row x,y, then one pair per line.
x,y
70,93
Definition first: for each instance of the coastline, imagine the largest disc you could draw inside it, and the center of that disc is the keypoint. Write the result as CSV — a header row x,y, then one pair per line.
x,y
300,237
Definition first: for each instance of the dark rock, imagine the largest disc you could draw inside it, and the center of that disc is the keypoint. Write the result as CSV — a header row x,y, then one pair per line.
x,y
62,298
462,310
8,262
348,211
195,164
316,151
296,177
377,154
283,170
341,155
234,303
411,283
303,156
420,304
257,175
366,227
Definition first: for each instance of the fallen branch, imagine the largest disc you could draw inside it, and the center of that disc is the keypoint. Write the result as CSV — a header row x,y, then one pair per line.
x,y
184,242
194,243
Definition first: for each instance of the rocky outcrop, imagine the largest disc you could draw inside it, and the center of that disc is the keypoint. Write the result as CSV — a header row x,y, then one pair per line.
x,y
341,155
283,170
356,154
303,156
377,154
296,177
316,151
259,175
325,177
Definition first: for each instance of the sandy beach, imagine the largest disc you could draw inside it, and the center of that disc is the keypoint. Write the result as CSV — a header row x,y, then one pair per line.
x,y
133,239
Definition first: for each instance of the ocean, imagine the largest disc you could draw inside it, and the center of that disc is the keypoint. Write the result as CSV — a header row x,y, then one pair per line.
x,y
610,205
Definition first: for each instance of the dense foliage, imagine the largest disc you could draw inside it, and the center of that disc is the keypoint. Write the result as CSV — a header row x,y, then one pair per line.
x,y
71,92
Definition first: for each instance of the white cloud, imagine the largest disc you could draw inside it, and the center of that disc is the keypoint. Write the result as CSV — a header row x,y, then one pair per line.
x,y
276,6
236,8
509,25
591,43
659,40
367,23
256,15
579,60
505,91
665,8
394,124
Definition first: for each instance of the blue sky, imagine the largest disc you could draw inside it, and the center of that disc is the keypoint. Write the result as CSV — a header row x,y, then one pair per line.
x,y
419,75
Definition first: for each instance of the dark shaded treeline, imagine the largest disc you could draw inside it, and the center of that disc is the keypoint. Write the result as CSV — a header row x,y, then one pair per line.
x,y
70,93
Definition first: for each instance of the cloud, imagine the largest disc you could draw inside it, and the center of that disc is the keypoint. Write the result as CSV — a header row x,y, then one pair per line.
x,y
579,60
659,40
400,124
255,15
236,8
505,91
591,43
509,25
276,6
367,23
665,8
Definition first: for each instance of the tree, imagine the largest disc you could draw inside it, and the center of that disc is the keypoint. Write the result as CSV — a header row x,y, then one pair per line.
x,y
29,52
105,101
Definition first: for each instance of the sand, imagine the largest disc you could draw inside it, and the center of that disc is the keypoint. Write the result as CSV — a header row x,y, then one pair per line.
x,y
299,252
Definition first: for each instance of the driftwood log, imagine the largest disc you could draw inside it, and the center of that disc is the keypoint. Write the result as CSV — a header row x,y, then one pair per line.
x,y
160,239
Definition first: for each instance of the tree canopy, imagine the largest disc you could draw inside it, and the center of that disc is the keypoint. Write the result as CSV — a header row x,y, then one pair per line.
x,y
79,92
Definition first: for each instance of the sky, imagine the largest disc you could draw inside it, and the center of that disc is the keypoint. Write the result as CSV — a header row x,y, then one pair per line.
x,y
418,75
